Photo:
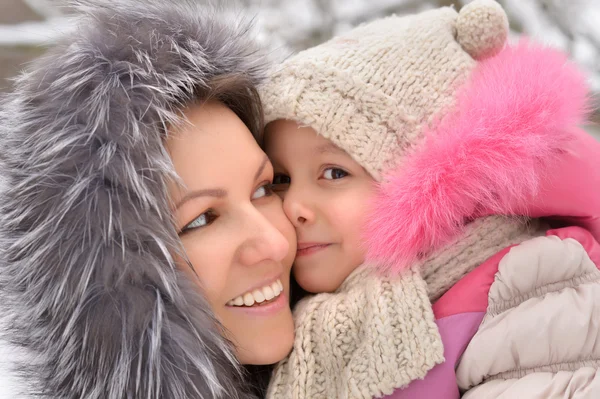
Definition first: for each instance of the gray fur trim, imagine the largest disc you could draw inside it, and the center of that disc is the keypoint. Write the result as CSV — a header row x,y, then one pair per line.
x,y
86,231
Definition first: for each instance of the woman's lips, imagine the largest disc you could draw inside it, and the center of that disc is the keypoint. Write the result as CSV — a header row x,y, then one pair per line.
x,y
267,308
305,249
258,295
263,301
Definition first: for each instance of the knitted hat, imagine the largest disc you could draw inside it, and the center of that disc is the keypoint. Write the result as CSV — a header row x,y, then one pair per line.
x,y
371,90
454,124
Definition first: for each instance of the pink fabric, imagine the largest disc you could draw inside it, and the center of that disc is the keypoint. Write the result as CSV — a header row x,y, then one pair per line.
x,y
470,294
585,238
511,125
572,193
440,382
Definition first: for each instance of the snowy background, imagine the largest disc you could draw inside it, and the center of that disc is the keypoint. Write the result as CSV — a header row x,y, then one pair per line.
x,y
27,26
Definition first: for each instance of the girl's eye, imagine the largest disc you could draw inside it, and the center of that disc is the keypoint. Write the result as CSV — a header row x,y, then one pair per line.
x,y
280,179
334,174
263,191
201,221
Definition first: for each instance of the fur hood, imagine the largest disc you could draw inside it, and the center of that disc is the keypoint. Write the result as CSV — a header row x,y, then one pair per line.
x,y
89,291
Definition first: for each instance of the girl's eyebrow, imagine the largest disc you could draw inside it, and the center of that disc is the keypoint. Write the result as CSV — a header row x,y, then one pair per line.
x,y
330,148
209,192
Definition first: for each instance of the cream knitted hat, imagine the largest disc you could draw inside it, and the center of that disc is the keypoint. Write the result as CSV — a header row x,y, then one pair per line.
x,y
371,91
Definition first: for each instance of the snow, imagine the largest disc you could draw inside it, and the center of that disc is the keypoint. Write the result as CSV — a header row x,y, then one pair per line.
x,y
34,33
292,25
45,8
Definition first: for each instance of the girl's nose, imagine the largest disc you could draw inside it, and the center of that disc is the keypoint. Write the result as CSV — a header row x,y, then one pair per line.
x,y
297,209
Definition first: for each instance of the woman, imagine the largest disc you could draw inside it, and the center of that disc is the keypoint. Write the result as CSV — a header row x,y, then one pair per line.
x,y
143,255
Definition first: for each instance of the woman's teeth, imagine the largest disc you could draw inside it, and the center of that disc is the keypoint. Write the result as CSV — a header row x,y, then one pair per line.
x,y
260,295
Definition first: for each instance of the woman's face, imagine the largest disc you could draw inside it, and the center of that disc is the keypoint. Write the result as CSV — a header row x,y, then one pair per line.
x,y
234,230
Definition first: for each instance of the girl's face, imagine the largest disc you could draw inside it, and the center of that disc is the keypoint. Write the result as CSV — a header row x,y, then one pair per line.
x,y
234,231
325,195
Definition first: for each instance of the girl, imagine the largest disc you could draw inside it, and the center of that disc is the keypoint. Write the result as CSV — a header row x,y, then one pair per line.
x,y
460,132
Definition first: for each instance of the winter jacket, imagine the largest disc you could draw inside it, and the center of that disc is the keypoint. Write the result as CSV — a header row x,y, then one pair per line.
x,y
92,304
524,324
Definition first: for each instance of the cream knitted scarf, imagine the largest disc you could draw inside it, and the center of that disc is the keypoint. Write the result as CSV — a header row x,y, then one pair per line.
x,y
364,340
376,334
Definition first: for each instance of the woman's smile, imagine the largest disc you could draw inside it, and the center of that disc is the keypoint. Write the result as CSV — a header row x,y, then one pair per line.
x,y
267,307
261,294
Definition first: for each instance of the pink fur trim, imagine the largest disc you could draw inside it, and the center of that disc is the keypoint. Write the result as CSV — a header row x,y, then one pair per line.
x,y
511,120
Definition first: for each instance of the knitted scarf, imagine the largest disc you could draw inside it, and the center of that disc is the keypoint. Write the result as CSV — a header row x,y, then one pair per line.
x,y
375,333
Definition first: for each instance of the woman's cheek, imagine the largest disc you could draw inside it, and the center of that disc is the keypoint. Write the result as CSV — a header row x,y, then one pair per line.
x,y
209,262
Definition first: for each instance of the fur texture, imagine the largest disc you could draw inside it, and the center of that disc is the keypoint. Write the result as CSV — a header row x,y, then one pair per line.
x,y
87,278
510,123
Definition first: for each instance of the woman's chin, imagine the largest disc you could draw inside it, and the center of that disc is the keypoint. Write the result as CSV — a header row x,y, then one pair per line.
x,y
272,356
272,346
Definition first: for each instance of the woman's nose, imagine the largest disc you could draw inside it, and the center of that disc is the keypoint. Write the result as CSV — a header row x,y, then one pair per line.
x,y
297,209
264,242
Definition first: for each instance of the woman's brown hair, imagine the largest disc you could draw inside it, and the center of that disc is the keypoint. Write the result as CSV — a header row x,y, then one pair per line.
x,y
239,94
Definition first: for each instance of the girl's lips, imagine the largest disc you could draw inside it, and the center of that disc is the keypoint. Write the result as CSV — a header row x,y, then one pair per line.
x,y
309,249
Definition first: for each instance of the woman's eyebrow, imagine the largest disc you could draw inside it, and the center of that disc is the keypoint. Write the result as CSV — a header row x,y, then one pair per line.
x,y
217,192
261,168
209,192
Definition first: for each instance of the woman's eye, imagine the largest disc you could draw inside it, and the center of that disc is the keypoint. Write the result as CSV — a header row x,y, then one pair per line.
x,y
201,221
263,191
334,173
280,179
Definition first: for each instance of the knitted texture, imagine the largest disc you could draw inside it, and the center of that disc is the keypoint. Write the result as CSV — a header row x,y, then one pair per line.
x,y
371,336
481,239
376,334
373,90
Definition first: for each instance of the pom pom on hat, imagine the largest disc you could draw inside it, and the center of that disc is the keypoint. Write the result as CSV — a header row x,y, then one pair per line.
x,y
482,28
